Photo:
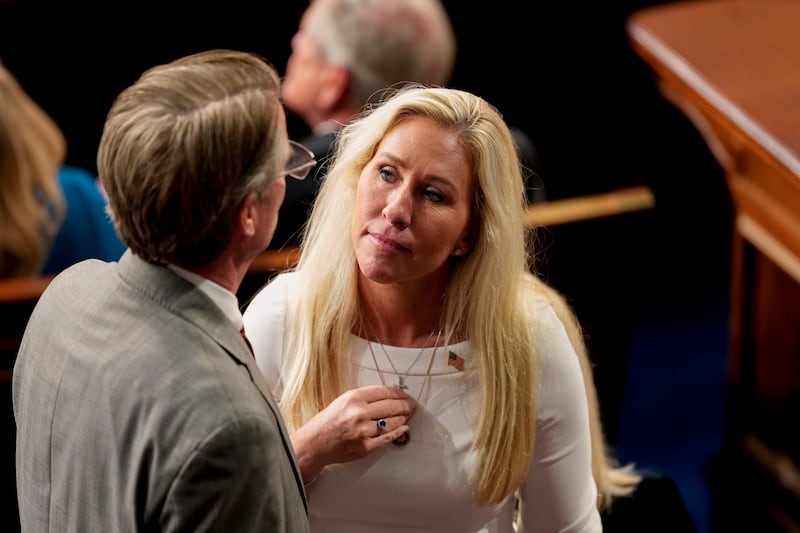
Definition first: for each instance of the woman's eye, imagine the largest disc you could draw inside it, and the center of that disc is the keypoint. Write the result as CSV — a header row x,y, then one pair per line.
x,y
435,196
386,174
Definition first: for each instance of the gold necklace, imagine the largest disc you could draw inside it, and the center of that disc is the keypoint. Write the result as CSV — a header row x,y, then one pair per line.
x,y
403,439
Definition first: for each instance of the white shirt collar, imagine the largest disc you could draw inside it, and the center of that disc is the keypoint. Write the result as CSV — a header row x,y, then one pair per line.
x,y
221,296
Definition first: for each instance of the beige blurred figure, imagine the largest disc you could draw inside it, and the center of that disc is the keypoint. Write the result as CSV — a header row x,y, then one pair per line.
x,y
346,52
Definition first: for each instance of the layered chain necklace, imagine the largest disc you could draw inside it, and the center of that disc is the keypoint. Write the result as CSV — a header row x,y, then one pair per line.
x,y
403,439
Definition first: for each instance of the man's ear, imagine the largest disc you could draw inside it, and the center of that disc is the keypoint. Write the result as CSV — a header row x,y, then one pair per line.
x,y
334,90
248,215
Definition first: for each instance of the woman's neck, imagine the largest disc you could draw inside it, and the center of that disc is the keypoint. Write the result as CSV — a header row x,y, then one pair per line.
x,y
399,315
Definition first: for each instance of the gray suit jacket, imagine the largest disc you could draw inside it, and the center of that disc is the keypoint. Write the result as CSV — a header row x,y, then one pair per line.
x,y
139,407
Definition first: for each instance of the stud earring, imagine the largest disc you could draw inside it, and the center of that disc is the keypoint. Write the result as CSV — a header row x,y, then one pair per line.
x,y
458,251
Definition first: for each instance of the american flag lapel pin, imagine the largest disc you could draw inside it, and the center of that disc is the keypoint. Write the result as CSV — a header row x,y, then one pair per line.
x,y
455,361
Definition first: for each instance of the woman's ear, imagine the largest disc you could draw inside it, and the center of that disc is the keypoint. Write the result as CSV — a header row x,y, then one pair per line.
x,y
470,236
464,245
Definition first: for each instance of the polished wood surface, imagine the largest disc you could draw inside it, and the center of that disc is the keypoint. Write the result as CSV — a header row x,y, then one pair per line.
x,y
733,68
275,260
23,288
580,208
738,59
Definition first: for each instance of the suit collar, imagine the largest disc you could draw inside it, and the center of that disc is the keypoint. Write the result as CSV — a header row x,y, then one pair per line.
x,y
221,296
169,290
181,297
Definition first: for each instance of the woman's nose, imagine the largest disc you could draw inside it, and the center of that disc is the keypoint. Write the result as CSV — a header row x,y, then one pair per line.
x,y
399,207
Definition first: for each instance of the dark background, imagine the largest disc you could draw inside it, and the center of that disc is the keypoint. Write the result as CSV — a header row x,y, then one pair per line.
x,y
562,71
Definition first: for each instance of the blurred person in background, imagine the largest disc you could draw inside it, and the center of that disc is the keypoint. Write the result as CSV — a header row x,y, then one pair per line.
x,y
52,215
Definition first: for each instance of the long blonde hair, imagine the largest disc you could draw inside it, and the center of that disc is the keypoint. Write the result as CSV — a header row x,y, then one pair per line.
x,y
490,294
612,480
32,147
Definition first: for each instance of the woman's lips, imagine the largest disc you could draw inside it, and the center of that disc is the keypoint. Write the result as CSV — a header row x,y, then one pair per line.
x,y
385,243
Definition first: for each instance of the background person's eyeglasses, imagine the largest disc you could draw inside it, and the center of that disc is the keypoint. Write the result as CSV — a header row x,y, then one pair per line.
x,y
300,163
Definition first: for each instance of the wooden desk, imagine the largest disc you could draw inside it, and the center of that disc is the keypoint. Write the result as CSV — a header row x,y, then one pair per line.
x,y
733,67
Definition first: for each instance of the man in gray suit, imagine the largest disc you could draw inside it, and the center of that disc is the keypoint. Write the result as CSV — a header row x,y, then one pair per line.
x,y
138,403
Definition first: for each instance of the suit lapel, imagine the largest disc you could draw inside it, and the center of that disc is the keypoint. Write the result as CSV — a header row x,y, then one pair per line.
x,y
188,301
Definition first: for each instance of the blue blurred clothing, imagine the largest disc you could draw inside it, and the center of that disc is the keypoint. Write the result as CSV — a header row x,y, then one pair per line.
x,y
87,230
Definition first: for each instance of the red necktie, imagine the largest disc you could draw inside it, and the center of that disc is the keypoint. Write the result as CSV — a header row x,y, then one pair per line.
x,y
244,336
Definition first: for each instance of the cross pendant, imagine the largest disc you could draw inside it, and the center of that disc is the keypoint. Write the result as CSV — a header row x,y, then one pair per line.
x,y
401,382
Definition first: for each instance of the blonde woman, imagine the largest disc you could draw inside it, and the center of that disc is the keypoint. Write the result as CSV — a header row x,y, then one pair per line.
x,y
415,285
52,215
